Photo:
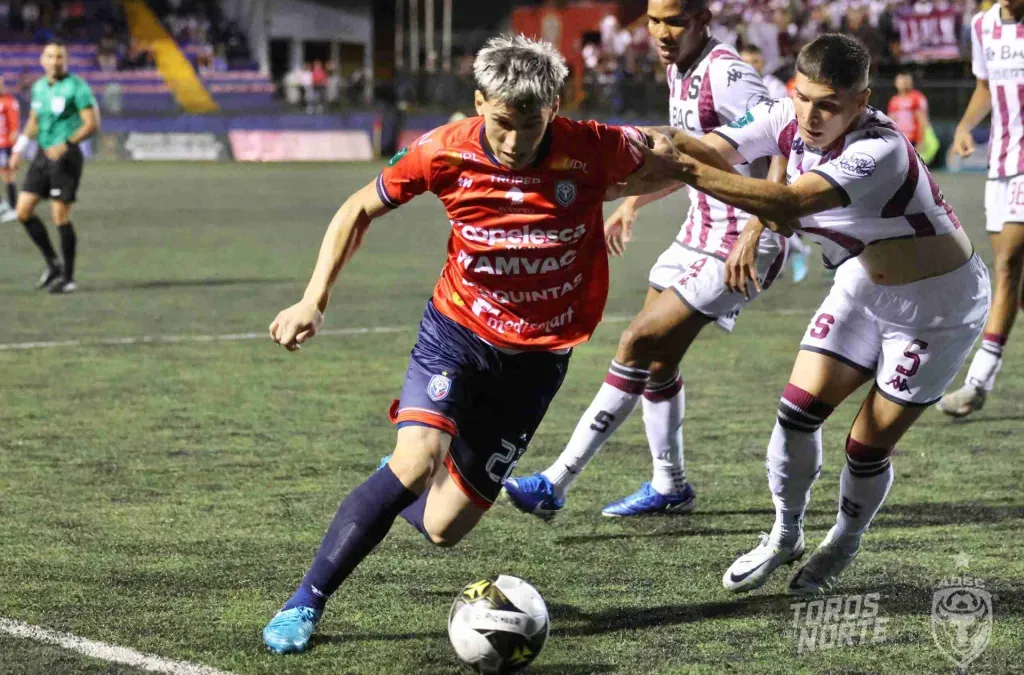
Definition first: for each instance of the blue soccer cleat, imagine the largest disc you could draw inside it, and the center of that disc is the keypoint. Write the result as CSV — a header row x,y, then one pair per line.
x,y
648,501
288,632
534,494
799,262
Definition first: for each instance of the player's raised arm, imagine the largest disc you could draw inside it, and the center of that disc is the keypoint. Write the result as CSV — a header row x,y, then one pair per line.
x,y
298,323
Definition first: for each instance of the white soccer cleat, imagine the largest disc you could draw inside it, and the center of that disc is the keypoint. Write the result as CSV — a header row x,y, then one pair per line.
x,y
963,401
820,574
7,214
752,569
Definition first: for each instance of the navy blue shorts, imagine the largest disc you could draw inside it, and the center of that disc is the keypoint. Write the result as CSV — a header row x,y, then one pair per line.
x,y
489,401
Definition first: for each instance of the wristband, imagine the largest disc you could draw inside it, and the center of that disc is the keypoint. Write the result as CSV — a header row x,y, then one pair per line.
x,y
21,144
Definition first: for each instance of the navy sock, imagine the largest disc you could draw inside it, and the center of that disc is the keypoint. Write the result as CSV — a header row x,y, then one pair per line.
x,y
68,244
37,232
12,194
413,514
362,521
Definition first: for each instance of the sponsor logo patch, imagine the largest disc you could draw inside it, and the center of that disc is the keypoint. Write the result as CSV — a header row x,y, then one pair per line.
x,y
398,156
856,164
741,122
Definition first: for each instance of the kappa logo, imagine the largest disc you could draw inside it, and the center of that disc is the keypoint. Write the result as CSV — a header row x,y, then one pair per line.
x,y
439,387
898,383
565,192
733,75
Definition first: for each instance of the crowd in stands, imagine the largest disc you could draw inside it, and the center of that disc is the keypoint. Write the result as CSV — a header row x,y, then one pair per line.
x,y
214,43
615,54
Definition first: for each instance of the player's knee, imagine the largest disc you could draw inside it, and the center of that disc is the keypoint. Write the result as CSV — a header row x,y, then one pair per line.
x,y
801,411
445,538
417,455
23,212
637,344
1009,265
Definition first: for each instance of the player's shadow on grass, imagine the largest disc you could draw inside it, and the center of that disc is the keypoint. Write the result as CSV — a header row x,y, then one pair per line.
x,y
676,532
633,618
157,284
981,420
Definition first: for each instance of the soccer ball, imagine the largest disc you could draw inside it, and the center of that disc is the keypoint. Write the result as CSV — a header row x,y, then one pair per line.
x,y
498,625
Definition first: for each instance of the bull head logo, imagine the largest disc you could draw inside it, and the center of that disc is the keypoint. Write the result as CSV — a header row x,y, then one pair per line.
x,y
961,623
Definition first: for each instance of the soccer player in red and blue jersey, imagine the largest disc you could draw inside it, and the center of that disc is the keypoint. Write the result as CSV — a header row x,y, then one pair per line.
x,y
525,281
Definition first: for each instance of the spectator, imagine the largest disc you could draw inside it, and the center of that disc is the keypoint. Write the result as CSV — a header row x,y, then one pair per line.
x,y
318,78
30,16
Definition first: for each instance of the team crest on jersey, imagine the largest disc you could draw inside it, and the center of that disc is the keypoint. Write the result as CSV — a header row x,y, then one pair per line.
x,y
565,192
57,104
439,387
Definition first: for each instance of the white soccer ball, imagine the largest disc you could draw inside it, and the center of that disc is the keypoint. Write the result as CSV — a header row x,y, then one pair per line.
x,y
498,625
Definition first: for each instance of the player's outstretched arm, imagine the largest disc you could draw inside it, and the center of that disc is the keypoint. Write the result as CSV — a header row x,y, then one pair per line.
x,y
770,202
30,132
978,109
652,178
300,322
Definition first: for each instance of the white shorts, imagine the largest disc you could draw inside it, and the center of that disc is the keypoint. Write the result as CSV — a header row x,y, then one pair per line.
x,y
1004,202
698,278
912,337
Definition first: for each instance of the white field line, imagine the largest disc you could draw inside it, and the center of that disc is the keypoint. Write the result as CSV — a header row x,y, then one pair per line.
x,y
262,335
104,651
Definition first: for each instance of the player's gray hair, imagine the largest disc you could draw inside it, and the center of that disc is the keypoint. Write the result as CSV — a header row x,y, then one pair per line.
x,y
520,72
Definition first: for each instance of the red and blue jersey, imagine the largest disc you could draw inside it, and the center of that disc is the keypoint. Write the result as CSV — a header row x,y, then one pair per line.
x,y
527,267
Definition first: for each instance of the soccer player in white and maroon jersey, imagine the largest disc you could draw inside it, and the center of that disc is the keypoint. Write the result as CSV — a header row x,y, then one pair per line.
x,y
910,295
709,85
997,48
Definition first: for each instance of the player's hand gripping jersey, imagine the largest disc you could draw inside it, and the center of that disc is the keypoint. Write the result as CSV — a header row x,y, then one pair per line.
x,y
527,267
888,192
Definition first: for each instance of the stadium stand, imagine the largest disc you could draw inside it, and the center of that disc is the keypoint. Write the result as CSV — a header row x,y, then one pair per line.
x,y
121,63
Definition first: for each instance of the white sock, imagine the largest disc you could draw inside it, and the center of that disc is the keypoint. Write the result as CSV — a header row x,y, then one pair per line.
x,y
794,460
664,406
986,363
615,401
863,487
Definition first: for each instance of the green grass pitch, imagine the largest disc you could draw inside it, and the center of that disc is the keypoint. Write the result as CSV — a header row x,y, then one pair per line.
x,y
168,497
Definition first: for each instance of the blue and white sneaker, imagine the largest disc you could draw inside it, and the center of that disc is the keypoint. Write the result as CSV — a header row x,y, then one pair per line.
x,y
648,501
799,262
288,632
534,494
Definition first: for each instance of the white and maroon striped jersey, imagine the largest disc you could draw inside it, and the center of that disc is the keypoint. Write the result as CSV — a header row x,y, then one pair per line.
x,y
997,55
886,188
718,89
